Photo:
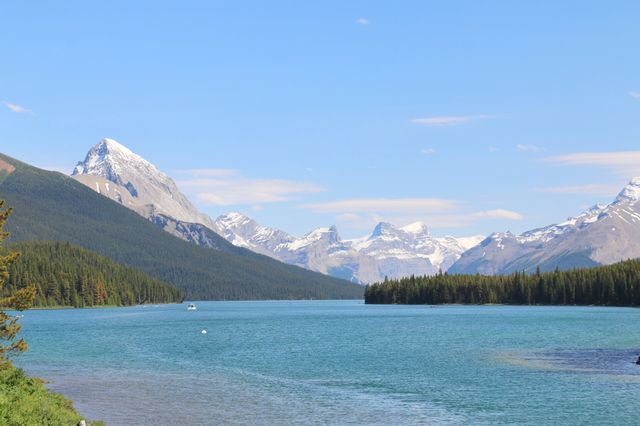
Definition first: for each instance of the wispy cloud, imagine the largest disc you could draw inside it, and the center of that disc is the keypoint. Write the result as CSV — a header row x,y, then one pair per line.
x,y
590,189
622,163
364,222
529,148
15,107
450,120
362,21
428,151
208,172
635,95
362,214
225,187
498,214
415,205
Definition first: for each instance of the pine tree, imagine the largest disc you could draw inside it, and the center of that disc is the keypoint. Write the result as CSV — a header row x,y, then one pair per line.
x,y
20,300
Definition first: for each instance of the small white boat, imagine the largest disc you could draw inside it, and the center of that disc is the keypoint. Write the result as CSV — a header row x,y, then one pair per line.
x,y
191,307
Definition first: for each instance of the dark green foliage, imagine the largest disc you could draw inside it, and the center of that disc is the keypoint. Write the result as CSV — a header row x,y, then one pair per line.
x,y
613,285
51,206
66,275
25,401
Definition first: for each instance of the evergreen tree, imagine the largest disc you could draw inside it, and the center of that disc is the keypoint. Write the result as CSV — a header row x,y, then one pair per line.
x,y
20,300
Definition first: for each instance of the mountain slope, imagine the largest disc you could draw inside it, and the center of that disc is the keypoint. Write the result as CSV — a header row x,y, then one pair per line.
x,y
67,275
51,206
602,235
387,252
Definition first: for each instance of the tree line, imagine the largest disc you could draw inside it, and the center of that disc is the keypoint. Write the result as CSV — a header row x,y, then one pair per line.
x,y
612,285
66,275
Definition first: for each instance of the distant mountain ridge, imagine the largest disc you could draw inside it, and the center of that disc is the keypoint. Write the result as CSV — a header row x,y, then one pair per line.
x,y
114,171
601,235
388,251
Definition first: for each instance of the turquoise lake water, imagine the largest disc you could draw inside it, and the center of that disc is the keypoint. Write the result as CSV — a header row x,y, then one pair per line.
x,y
340,362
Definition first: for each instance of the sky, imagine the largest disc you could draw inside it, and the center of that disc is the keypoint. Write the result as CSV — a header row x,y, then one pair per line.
x,y
470,116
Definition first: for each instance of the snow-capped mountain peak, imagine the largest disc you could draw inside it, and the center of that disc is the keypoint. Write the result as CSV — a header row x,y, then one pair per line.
x,y
233,219
108,158
416,228
115,171
384,230
631,192
242,231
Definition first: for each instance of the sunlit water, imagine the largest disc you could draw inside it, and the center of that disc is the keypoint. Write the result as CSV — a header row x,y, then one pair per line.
x,y
341,362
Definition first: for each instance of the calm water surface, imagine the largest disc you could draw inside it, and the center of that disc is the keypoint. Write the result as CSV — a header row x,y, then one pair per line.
x,y
340,362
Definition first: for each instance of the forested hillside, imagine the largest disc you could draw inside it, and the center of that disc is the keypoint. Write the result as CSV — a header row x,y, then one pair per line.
x,y
66,275
51,206
613,285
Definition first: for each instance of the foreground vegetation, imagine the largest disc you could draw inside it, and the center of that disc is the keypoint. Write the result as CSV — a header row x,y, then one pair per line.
x,y
613,285
66,275
25,401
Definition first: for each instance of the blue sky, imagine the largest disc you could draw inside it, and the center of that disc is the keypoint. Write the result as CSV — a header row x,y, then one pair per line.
x,y
470,116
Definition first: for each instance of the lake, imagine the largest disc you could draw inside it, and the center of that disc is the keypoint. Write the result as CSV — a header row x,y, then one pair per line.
x,y
340,362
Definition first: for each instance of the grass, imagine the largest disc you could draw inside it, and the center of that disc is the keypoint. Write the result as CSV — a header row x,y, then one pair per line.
x,y
25,401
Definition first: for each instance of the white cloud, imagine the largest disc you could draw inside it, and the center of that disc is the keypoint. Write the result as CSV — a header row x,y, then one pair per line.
x,y
224,187
15,107
415,205
493,149
623,163
427,151
349,217
635,95
364,222
451,120
362,214
362,21
498,214
591,189
529,148
209,172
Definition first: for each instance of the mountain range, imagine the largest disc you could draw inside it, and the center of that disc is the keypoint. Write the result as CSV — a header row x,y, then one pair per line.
x,y
49,206
388,251
603,234
116,172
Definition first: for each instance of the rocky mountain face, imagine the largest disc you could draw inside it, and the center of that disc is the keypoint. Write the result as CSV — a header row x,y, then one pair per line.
x,y
601,235
116,172
388,251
